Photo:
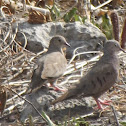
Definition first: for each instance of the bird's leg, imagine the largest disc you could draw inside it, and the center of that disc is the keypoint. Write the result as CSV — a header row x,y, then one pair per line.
x,y
106,102
100,103
58,89
55,87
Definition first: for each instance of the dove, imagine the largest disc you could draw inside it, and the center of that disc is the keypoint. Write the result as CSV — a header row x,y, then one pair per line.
x,y
50,66
101,77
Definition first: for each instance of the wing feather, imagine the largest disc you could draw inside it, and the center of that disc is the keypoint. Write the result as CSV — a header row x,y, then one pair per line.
x,y
54,67
99,79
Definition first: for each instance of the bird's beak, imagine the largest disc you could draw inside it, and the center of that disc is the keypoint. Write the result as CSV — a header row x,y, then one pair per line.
x,y
123,50
67,44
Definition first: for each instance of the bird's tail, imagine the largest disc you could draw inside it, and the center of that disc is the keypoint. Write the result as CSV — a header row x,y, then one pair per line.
x,y
69,94
35,85
31,90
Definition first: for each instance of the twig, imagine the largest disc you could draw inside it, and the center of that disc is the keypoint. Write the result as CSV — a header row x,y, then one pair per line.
x,y
101,5
18,83
27,102
78,54
10,108
2,12
8,33
26,42
68,78
80,65
15,96
45,11
8,45
3,117
76,1
10,78
37,55
115,116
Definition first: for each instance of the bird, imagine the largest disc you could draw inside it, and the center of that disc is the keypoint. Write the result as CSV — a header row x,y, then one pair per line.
x,y
50,66
100,77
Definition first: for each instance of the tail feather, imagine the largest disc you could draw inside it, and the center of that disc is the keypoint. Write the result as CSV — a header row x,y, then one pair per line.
x,y
69,94
63,97
35,85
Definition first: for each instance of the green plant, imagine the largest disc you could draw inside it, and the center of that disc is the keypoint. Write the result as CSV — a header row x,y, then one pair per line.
x,y
73,16
105,26
123,123
75,122
68,17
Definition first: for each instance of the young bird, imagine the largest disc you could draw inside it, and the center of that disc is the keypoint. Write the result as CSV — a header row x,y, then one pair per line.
x,y
100,78
50,66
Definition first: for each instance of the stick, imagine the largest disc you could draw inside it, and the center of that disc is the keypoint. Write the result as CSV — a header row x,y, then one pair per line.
x,y
28,7
27,102
117,122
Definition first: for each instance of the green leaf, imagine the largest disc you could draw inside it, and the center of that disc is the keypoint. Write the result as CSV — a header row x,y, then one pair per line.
x,y
55,12
50,123
70,15
105,26
123,123
83,19
77,18
31,121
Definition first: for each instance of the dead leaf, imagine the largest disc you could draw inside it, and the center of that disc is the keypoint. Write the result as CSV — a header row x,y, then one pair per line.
x,y
117,2
36,17
42,3
49,2
10,10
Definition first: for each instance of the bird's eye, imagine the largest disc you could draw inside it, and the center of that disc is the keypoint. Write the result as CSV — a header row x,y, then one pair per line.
x,y
59,40
115,45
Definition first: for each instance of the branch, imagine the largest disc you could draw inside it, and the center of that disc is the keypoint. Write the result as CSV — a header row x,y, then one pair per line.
x,y
26,101
28,7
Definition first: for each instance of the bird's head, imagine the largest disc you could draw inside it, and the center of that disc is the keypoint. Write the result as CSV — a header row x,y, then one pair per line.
x,y
58,42
112,46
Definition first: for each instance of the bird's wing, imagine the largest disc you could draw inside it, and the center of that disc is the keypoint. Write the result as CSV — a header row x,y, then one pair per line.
x,y
99,79
38,68
54,66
